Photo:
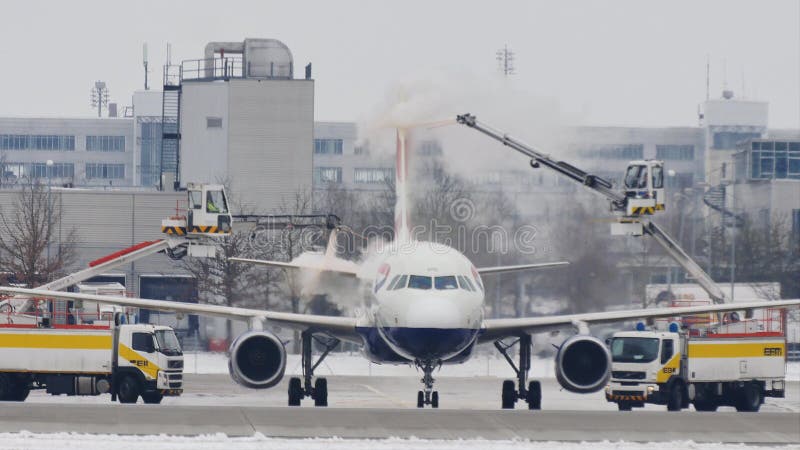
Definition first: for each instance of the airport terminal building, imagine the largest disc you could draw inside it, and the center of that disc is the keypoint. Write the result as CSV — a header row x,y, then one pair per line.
x,y
240,116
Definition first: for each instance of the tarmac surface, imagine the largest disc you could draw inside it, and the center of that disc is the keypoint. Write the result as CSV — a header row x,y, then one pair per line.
x,y
383,407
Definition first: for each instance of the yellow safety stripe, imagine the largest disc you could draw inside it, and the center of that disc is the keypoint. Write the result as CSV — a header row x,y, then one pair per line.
x,y
737,350
670,368
63,341
643,210
140,362
180,231
660,207
206,229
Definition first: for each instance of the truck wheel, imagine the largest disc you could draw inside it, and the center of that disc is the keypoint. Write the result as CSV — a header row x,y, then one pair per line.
x,y
6,387
749,398
128,391
675,399
705,405
152,398
20,392
624,406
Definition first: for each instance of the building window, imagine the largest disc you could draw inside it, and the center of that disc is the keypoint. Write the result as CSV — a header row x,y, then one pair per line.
x,y
57,170
213,122
774,159
373,175
105,171
105,143
624,151
796,224
36,142
327,175
675,152
13,142
150,155
680,180
328,146
728,140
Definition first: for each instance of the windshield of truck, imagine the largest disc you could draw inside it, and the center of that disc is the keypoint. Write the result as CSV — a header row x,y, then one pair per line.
x,y
168,343
634,349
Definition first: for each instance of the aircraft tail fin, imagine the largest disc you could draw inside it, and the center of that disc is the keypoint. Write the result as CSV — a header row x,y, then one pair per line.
x,y
401,216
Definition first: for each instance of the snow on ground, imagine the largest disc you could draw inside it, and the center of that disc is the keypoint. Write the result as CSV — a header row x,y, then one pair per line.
x,y
355,364
26,440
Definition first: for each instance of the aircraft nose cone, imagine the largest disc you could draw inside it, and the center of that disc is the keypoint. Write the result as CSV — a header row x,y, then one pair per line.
x,y
434,313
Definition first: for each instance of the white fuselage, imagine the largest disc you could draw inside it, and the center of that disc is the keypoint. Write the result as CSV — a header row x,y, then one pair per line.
x,y
429,301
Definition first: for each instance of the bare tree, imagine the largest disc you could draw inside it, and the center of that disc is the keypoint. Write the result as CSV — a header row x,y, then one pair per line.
x,y
221,281
28,227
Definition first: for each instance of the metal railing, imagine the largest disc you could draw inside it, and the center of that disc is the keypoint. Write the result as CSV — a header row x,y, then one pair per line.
x,y
223,69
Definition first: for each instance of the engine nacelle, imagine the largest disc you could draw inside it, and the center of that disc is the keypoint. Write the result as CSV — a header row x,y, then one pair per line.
x,y
583,364
257,360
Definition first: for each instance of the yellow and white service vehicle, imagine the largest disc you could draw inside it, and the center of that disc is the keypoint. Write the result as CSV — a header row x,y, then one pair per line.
x,y
677,368
127,361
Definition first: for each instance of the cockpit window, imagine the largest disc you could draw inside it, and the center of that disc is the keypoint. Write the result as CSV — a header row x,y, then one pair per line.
x,y
398,283
465,283
419,282
446,282
392,283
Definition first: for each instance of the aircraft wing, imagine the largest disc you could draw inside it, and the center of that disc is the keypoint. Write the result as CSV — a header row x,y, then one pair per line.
x,y
341,327
502,269
494,329
322,264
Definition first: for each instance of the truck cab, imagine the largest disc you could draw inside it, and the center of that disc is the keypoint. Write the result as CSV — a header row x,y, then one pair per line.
x,y
645,367
643,186
149,363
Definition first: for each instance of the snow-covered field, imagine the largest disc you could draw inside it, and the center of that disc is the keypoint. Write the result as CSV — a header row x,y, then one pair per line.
x,y
25,440
355,364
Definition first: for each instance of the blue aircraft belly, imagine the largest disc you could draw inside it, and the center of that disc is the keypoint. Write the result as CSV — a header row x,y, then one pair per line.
x,y
420,343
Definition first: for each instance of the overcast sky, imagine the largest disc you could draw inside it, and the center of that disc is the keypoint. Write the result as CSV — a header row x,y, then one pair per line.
x,y
603,62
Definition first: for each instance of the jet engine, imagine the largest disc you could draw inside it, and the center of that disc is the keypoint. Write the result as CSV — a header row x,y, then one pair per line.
x,y
257,360
583,364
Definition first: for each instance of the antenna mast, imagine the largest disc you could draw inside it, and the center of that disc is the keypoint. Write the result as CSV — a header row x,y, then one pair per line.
x,y
144,63
505,61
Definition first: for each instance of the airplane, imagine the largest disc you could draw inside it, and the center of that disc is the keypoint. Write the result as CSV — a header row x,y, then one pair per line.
x,y
428,311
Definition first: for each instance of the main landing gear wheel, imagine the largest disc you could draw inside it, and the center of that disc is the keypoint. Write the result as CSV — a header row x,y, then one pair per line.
x,y
427,396
295,391
299,389
320,392
511,392
534,397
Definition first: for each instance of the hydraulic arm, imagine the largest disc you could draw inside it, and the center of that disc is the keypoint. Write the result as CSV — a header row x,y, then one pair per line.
x,y
621,201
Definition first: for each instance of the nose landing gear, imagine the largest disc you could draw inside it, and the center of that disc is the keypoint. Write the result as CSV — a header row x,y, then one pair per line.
x,y
510,394
427,396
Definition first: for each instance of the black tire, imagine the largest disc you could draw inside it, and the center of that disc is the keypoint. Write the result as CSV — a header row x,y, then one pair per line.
x,y
152,398
295,391
675,399
420,399
749,398
509,395
21,391
435,399
534,396
624,406
321,392
6,387
705,405
128,390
